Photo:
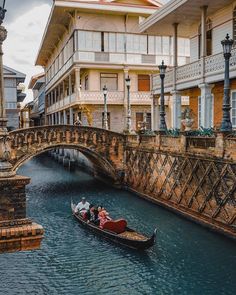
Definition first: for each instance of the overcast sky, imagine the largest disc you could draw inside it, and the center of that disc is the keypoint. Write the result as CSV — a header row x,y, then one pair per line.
x,y
25,22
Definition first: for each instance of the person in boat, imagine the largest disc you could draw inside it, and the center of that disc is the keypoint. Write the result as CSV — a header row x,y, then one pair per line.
x,y
94,215
103,216
82,207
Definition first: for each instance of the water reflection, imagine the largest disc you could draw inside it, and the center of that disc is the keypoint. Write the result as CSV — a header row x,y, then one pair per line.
x,y
187,259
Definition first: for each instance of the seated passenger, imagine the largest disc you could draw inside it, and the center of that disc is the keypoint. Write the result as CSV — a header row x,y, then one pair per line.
x,y
103,216
94,215
82,207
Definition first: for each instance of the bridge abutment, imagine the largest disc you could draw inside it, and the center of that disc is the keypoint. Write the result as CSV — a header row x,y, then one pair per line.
x,y
17,232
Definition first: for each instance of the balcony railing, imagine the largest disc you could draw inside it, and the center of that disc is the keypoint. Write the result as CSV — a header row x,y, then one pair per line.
x,y
191,73
96,97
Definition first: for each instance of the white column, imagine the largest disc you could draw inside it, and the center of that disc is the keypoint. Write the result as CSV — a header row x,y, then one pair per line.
x,y
53,122
64,117
203,30
71,116
70,87
155,113
203,40
176,97
59,118
77,84
176,109
206,105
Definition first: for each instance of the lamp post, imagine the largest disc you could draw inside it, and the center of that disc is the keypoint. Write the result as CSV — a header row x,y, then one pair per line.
x,y
162,69
226,125
3,36
128,122
105,119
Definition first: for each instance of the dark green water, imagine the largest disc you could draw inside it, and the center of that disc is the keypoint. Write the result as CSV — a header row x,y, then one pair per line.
x,y
187,259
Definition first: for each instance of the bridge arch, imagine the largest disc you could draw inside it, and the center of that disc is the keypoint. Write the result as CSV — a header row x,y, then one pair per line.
x,y
103,148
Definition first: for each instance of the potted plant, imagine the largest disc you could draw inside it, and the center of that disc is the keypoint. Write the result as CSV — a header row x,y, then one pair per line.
x,y
186,118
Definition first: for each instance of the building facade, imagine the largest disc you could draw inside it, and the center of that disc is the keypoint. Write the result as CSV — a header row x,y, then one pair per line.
x,y
13,95
206,23
37,114
98,43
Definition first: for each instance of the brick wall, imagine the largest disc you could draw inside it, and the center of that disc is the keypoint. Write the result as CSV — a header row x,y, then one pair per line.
x,y
12,198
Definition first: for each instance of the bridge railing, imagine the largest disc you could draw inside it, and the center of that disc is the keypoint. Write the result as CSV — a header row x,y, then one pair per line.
x,y
218,145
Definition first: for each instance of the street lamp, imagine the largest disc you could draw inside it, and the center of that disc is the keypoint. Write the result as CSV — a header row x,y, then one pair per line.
x,y
128,122
3,36
226,124
162,69
105,119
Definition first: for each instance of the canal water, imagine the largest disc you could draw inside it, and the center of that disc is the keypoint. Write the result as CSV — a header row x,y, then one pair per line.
x,y
187,258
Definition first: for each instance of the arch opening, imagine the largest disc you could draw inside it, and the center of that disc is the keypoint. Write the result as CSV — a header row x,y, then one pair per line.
x,y
100,164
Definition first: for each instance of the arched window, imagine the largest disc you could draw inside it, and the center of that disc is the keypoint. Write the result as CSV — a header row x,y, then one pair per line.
x,y
234,24
209,37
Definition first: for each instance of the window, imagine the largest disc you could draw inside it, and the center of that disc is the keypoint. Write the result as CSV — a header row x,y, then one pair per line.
x,y
86,83
110,80
210,106
108,120
143,83
233,109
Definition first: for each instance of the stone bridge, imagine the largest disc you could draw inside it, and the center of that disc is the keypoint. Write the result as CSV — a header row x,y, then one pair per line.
x,y
105,149
193,176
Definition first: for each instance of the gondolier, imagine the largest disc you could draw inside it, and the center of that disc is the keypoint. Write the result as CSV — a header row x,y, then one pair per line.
x,y
82,207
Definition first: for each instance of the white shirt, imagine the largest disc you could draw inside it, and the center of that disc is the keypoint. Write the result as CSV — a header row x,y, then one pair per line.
x,y
82,207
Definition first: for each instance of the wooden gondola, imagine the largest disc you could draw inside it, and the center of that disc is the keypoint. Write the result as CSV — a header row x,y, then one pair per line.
x,y
128,238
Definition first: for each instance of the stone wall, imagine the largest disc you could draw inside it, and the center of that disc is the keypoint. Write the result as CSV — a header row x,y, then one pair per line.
x,y
191,180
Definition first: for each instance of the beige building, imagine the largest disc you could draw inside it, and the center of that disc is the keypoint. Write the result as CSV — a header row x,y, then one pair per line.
x,y
206,24
89,44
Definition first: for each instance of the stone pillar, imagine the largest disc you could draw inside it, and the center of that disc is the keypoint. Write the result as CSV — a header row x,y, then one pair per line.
x,y
206,105
17,232
176,109
71,116
70,88
53,121
64,117
59,118
155,113
77,84
203,39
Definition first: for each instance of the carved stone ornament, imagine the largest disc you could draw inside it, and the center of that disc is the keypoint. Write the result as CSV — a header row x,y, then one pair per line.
x,y
5,147
3,34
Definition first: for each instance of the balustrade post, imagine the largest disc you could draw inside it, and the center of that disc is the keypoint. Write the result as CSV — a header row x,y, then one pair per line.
x,y
183,143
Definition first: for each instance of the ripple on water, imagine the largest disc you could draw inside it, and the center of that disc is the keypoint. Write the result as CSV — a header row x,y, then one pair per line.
x,y
186,260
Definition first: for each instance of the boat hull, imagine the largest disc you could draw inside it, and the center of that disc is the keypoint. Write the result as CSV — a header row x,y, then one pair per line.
x,y
116,238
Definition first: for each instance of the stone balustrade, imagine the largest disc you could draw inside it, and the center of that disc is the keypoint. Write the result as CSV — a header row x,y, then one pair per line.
x,y
189,75
97,97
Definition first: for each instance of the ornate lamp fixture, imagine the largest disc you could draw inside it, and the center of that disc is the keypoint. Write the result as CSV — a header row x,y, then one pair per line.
x,y
226,124
162,69
105,118
128,120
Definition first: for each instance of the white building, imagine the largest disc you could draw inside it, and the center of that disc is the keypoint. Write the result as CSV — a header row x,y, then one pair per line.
x,y
13,95
89,44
